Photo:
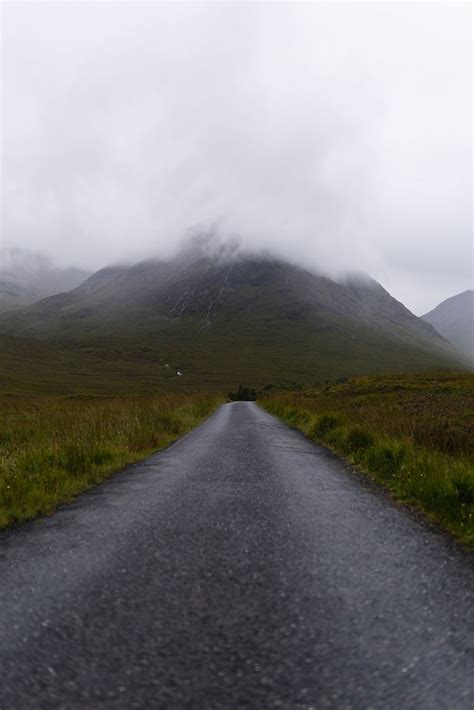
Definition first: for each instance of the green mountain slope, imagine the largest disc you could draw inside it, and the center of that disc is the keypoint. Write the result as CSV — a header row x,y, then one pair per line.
x,y
32,367
218,322
454,319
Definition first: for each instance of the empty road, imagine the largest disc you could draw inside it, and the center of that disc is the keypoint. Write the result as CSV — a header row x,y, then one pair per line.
x,y
243,567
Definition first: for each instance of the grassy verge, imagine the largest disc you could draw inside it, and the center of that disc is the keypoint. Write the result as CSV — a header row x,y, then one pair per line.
x,y
53,449
412,433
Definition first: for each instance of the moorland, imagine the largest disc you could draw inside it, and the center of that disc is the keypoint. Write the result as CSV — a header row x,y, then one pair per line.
x,y
133,357
413,433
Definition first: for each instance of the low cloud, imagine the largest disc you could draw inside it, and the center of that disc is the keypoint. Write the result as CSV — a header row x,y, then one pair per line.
x,y
337,135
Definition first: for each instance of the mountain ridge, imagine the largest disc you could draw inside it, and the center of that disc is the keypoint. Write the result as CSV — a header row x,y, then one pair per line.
x,y
246,317
454,319
27,277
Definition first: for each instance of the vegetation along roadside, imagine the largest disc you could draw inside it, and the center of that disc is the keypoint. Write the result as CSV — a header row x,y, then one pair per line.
x,y
52,449
412,433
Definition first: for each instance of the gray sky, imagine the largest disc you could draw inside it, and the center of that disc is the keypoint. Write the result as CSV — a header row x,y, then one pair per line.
x,y
336,134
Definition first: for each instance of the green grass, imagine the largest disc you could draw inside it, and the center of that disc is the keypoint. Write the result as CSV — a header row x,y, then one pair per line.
x,y
412,433
214,359
52,449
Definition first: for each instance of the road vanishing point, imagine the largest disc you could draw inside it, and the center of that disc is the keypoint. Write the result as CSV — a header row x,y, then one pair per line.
x,y
243,567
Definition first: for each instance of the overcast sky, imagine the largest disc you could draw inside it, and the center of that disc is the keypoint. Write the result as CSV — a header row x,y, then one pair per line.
x,y
337,134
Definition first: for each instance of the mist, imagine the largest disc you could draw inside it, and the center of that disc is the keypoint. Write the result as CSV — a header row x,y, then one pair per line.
x,y
335,135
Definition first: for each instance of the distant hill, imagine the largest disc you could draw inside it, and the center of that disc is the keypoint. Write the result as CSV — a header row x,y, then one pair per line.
x,y
27,277
454,319
221,321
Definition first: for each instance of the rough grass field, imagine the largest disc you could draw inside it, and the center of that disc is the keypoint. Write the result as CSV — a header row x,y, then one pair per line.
x,y
51,449
413,433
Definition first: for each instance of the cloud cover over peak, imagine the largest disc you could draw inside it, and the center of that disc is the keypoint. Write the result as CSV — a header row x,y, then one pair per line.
x,y
337,135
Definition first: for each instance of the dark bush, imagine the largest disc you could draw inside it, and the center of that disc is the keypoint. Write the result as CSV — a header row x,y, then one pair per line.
x,y
284,386
386,459
243,394
324,425
464,486
359,439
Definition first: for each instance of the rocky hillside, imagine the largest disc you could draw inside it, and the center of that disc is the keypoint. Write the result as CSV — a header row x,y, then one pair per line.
x,y
220,320
454,319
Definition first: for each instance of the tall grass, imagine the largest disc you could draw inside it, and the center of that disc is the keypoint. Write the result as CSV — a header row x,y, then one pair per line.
x,y
412,433
53,449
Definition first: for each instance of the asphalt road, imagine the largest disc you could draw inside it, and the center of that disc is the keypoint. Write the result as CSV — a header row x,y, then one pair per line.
x,y
244,567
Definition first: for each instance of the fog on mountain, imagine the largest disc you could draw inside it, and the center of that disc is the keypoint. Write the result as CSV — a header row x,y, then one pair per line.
x,y
142,120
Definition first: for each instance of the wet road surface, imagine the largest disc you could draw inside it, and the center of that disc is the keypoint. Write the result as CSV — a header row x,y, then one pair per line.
x,y
243,567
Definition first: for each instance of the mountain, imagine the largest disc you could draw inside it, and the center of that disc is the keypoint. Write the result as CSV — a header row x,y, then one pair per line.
x,y
221,320
27,277
454,319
